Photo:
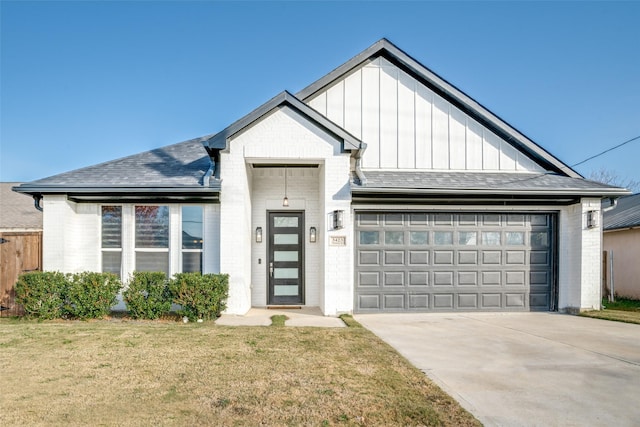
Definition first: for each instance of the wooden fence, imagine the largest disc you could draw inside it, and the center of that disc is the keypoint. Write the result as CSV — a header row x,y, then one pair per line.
x,y
19,252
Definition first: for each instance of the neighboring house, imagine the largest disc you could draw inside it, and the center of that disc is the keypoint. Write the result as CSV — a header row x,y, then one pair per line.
x,y
380,187
20,242
621,240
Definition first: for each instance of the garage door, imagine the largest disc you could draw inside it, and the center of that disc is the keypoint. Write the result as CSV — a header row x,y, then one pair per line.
x,y
453,261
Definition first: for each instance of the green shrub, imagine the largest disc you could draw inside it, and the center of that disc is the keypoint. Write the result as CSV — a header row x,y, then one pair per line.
x,y
90,295
41,293
200,296
148,295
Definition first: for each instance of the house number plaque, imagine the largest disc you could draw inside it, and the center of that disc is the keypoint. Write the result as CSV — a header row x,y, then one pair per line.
x,y
337,240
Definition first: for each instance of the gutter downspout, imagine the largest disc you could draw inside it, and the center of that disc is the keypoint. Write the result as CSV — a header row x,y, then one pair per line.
x,y
357,168
36,202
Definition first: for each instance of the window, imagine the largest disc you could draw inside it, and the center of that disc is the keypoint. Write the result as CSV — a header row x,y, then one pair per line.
x,y
192,238
112,239
152,238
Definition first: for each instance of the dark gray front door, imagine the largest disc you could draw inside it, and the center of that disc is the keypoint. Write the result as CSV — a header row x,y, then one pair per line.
x,y
286,258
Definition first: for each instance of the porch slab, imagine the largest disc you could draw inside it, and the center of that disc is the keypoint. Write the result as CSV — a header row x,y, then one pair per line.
x,y
261,316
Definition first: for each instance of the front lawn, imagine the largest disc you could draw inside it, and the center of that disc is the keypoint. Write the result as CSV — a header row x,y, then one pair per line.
x,y
167,373
622,310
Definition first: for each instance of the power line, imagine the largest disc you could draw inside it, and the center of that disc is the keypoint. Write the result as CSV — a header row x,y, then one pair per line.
x,y
606,151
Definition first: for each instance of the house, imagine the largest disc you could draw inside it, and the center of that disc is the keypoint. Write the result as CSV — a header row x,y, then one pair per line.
x,y
621,241
380,187
20,243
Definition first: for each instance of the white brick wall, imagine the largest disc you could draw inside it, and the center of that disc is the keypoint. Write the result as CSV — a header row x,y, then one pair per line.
x,y
285,138
580,260
72,236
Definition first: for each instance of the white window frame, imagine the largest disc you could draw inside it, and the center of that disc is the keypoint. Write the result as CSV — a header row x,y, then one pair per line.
x,y
201,250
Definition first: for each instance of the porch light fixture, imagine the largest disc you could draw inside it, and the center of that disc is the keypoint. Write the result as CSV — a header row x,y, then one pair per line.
x,y
592,219
258,234
312,235
285,201
338,220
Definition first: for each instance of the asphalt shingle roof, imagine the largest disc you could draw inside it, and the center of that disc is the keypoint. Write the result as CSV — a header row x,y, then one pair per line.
x,y
17,210
181,165
625,215
481,182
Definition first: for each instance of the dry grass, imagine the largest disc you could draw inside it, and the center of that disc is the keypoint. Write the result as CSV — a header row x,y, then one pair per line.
x,y
622,310
169,373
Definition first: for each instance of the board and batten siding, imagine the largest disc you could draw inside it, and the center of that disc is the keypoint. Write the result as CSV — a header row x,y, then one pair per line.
x,y
407,126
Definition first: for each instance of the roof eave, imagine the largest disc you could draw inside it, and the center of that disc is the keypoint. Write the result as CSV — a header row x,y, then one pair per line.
x,y
501,192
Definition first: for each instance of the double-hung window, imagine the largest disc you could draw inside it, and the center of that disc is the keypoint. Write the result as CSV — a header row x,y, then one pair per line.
x,y
192,234
112,239
152,238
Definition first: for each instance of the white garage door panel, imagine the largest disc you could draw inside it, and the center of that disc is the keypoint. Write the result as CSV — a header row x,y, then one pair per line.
x,y
453,261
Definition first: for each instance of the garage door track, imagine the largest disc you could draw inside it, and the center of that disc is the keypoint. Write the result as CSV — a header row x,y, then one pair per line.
x,y
524,369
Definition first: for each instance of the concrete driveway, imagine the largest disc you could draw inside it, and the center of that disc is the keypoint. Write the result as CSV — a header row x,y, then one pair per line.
x,y
524,369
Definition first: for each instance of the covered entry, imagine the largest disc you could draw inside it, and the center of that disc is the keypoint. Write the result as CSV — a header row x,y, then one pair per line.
x,y
449,261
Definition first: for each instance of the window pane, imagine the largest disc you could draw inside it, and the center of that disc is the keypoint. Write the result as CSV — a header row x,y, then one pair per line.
x,y
285,273
491,238
369,238
192,262
285,255
419,237
152,227
285,239
394,237
111,262
539,239
285,290
112,227
467,238
152,261
192,227
285,221
443,237
515,238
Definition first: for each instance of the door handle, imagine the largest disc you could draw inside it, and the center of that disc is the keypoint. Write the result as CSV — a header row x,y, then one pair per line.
x,y
271,269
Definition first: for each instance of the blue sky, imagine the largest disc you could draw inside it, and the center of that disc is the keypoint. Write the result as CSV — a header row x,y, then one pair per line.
x,y
86,82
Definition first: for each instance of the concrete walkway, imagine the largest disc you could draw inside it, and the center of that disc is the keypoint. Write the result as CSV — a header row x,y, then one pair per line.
x,y
524,369
305,316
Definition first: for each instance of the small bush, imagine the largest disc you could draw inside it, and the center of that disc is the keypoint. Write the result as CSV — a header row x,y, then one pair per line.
x,y
41,293
148,295
90,295
200,296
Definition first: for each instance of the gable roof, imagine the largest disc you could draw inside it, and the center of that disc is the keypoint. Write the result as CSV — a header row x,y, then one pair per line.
x,y
445,89
17,210
284,99
626,214
179,169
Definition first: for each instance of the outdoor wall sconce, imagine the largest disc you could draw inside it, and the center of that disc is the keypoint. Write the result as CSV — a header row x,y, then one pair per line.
x,y
338,220
312,235
259,235
592,219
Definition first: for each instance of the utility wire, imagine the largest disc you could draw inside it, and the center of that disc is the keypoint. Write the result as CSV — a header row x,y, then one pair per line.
x,y
606,151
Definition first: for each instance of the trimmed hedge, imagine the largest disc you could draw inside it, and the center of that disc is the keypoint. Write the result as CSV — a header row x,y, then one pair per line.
x,y
148,295
41,293
91,295
200,296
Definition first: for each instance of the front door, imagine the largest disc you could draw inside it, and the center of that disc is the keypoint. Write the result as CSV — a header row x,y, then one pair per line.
x,y
286,256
